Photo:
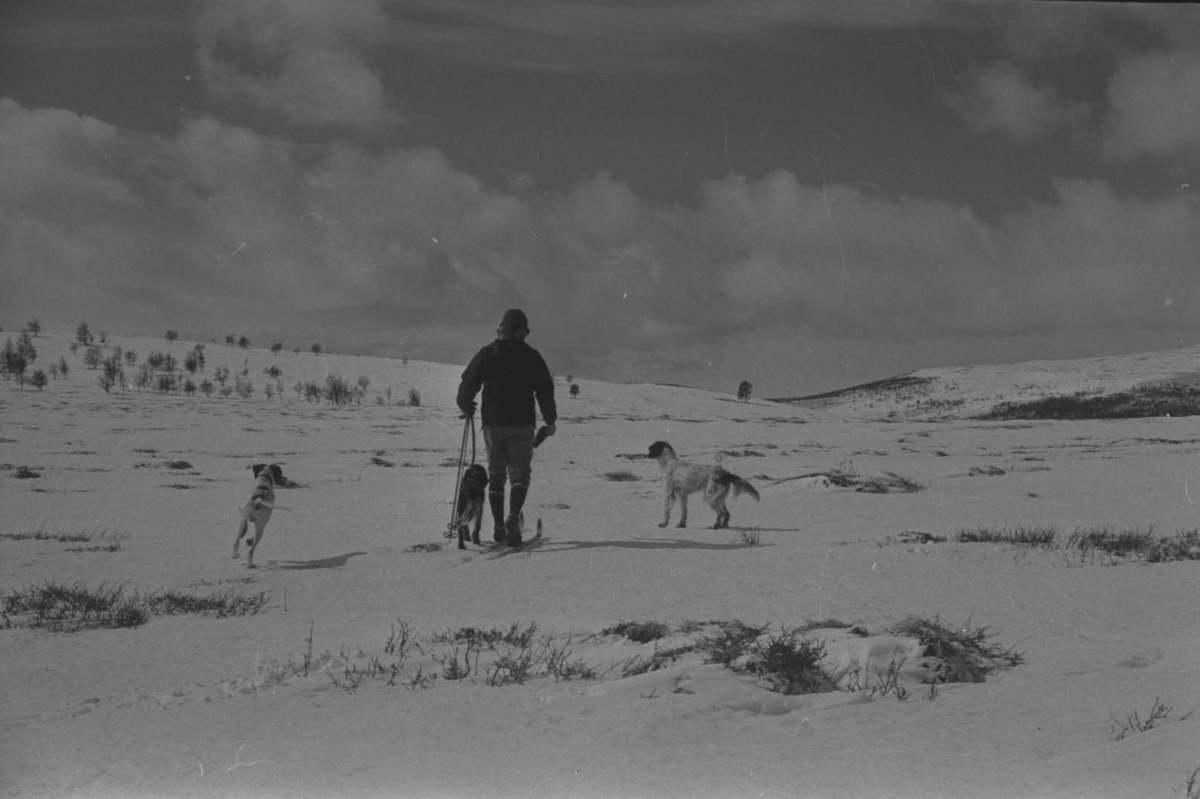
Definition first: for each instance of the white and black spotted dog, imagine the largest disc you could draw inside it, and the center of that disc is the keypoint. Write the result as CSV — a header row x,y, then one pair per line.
x,y
258,507
685,478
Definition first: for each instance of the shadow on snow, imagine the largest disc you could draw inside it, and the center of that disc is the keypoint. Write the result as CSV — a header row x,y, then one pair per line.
x,y
335,562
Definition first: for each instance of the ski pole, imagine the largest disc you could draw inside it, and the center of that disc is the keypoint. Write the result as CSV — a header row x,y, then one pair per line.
x,y
468,424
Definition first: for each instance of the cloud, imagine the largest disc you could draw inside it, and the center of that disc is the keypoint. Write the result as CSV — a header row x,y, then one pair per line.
x,y
1094,258
1145,55
1154,107
304,60
606,36
1001,98
219,229
50,153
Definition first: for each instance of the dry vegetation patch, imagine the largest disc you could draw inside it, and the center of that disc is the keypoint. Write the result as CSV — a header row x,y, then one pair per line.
x,y
807,658
1144,400
67,608
1129,543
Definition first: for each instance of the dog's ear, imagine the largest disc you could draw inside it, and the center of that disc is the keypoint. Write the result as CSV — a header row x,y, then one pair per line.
x,y
277,474
657,448
257,467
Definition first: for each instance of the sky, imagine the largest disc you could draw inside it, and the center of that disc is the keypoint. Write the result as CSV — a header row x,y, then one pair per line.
x,y
803,195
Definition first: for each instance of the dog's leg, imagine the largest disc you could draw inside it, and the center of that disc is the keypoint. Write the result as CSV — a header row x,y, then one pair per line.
x,y
478,522
258,534
240,534
682,511
722,514
667,503
716,501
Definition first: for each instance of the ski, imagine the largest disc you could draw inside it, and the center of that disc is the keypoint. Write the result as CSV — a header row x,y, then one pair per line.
x,y
500,550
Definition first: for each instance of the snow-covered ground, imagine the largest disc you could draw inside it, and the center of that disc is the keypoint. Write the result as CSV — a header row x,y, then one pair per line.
x,y
319,696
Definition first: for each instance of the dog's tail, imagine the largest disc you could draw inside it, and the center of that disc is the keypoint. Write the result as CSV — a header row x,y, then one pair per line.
x,y
737,484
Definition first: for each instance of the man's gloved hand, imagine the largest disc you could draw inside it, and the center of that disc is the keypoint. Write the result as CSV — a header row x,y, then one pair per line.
x,y
467,412
545,432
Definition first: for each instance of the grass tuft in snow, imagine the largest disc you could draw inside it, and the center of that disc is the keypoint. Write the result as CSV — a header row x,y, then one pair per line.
x,y
845,475
641,632
732,641
889,483
1134,722
67,608
965,652
751,537
788,663
517,635
1142,544
113,543
1021,536
41,534
660,658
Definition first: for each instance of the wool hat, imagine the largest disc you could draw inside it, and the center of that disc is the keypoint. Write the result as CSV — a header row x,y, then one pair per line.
x,y
516,318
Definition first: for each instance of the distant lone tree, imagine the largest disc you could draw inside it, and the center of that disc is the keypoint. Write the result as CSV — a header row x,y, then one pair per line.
x,y
744,390
277,347
38,379
574,390
316,348
83,334
229,340
34,327
172,335
244,342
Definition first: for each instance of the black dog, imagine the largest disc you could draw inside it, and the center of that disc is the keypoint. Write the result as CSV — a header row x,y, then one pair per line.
x,y
472,495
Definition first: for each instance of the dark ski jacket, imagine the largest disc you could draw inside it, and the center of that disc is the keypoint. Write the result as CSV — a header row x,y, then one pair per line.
x,y
511,374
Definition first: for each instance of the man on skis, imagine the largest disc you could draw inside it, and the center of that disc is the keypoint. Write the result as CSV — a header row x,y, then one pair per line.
x,y
512,375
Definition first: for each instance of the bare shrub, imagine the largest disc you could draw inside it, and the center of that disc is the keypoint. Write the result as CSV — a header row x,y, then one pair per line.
x,y
642,632
1133,722
338,391
92,357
